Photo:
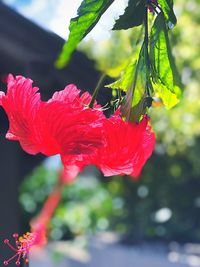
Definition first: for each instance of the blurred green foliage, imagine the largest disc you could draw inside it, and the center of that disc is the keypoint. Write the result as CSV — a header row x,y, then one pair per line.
x,y
86,205
165,202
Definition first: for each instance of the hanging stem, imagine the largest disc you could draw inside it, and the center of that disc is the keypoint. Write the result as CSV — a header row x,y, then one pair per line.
x,y
96,90
146,45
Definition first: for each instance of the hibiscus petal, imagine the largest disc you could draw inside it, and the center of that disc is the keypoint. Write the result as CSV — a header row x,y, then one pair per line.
x,y
68,95
72,167
127,147
146,144
21,104
71,95
67,130
63,125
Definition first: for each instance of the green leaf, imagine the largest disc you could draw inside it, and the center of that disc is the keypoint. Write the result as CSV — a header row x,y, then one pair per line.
x,y
89,13
167,8
124,83
133,82
135,113
134,78
140,79
169,98
164,73
133,15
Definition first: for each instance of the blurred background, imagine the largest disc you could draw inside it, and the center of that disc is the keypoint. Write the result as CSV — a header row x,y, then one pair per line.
x,y
115,220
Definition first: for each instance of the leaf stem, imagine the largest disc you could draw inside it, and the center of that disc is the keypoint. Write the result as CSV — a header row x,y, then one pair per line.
x,y
146,45
96,90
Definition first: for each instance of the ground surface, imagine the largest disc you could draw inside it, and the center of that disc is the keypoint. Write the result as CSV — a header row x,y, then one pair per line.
x,y
105,251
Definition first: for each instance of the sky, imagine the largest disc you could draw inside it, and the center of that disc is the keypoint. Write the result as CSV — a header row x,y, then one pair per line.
x,y
55,15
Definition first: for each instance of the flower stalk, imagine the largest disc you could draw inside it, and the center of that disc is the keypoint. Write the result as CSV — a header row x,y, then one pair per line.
x,y
96,90
146,46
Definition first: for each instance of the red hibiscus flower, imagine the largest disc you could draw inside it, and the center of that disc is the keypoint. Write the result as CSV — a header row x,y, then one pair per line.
x,y
63,125
127,146
125,151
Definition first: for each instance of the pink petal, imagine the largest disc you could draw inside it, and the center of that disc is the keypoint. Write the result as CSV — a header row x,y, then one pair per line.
x,y
68,130
21,104
127,147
